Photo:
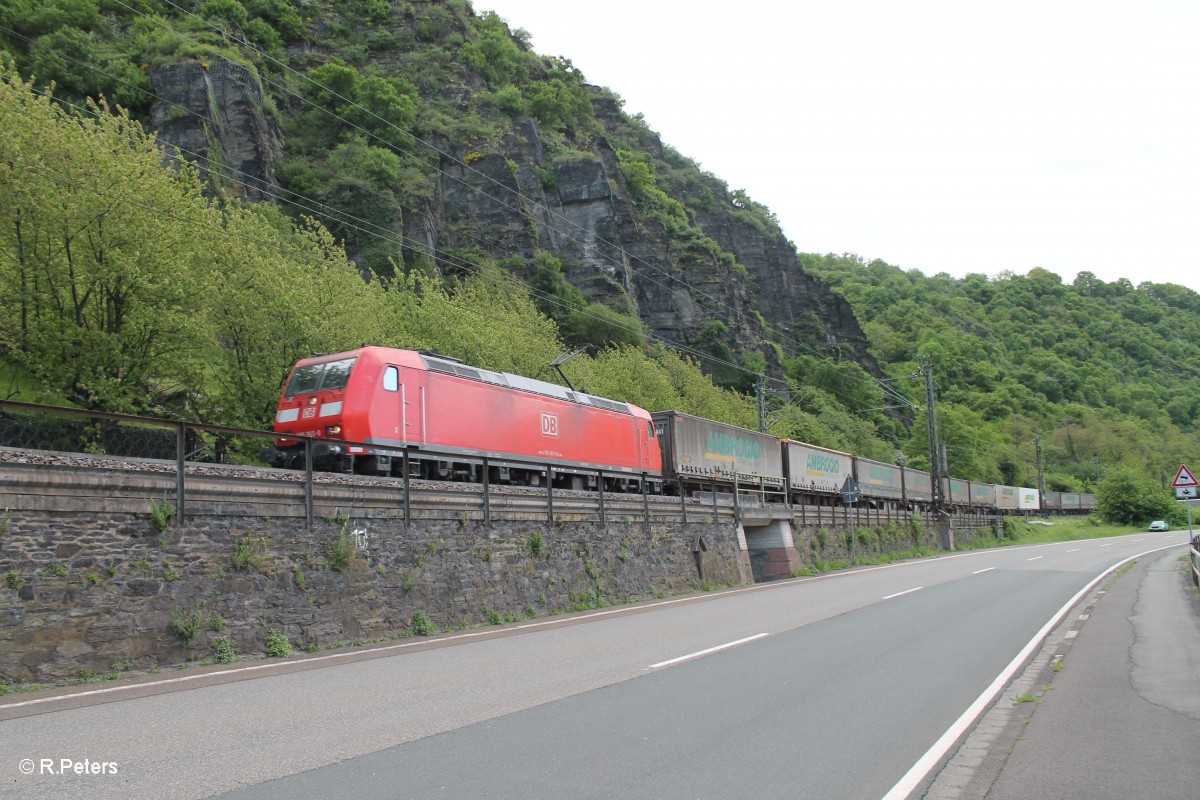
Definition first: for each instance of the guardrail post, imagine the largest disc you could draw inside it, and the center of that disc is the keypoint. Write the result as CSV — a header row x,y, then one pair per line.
x,y
682,502
600,486
487,500
645,503
407,506
549,495
308,482
180,469
737,503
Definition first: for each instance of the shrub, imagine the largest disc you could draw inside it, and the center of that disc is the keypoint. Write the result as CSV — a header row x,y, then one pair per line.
x,y
185,625
278,645
161,514
422,625
224,652
342,552
251,553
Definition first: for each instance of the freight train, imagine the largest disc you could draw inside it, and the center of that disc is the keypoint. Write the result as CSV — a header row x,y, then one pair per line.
x,y
446,420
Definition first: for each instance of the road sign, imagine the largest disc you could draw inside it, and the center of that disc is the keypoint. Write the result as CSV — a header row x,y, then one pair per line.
x,y
850,493
1184,477
1187,492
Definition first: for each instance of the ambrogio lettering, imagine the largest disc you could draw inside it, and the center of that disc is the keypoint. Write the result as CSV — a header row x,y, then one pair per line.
x,y
729,445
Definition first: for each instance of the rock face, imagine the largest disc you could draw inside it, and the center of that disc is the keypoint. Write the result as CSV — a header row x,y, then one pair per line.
x,y
212,112
518,202
510,197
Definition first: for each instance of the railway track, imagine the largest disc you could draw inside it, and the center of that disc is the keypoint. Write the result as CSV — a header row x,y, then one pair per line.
x,y
37,480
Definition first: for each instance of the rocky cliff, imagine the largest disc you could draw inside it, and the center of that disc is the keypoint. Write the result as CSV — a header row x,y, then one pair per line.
x,y
503,193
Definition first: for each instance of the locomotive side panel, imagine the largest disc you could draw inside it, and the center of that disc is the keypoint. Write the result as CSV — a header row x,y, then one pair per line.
x,y
476,418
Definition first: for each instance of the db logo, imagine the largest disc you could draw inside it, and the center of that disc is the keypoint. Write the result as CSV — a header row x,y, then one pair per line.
x,y
309,412
549,425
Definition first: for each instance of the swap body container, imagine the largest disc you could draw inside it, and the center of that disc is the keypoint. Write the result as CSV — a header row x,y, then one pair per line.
x,y
704,451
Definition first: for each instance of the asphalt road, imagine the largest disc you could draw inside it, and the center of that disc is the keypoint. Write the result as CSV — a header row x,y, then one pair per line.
x,y
830,687
1122,719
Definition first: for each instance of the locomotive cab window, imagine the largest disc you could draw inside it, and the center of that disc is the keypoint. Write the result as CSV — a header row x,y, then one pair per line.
x,y
391,379
324,376
650,429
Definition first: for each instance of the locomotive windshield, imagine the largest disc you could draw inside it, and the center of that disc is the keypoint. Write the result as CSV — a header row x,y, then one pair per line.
x,y
323,376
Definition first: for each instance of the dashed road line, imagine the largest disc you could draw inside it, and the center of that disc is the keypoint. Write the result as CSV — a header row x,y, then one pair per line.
x,y
707,651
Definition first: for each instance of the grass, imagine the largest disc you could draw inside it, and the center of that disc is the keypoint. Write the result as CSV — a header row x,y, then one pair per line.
x,y
16,383
1021,531
250,553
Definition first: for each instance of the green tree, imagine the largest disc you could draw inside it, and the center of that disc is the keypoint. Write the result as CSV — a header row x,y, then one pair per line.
x,y
1128,497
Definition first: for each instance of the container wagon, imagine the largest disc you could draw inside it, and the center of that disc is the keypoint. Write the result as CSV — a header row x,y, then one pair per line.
x,y
701,454
877,480
815,475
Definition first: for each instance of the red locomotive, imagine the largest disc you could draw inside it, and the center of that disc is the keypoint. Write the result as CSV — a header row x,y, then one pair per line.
x,y
449,416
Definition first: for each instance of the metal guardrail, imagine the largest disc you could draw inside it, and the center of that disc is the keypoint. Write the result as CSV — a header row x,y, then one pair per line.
x,y
177,453
147,444
1194,558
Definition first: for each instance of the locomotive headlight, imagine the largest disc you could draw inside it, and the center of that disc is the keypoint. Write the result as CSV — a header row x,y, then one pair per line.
x,y
312,401
333,430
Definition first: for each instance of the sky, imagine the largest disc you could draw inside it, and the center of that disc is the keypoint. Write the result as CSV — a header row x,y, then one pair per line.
x,y
957,136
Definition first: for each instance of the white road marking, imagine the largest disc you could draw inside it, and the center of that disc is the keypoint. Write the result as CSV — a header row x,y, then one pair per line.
x,y
906,591
700,653
934,755
1107,545
1035,558
1075,550
1070,634
981,571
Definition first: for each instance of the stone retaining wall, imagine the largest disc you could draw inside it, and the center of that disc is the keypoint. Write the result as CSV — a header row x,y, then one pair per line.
x,y
88,594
